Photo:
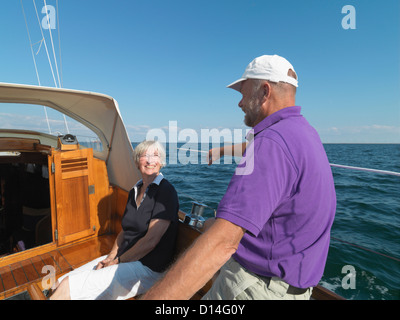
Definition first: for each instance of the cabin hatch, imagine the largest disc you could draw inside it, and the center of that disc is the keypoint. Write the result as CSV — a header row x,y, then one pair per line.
x,y
25,211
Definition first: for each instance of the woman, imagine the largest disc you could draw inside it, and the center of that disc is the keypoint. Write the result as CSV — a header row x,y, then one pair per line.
x,y
145,246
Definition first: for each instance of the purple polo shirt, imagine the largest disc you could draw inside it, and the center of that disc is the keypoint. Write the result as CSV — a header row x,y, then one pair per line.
x,y
283,194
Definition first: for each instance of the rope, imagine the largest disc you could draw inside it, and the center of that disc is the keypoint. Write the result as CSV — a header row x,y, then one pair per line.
x,y
366,169
366,249
332,165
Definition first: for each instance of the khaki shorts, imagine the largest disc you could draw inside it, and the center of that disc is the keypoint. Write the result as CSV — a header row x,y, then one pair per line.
x,y
236,283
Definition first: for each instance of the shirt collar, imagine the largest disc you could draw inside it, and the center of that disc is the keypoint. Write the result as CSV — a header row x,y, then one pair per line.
x,y
156,180
274,118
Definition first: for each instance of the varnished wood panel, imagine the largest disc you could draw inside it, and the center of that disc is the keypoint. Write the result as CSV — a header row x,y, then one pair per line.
x,y
30,271
7,278
2,289
38,264
186,236
76,207
18,144
103,198
86,251
59,260
18,276
75,204
120,198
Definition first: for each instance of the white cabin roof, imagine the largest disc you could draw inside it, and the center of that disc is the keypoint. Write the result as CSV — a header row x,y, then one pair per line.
x,y
98,112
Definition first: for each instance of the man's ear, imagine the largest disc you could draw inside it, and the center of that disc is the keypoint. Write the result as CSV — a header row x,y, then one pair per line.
x,y
266,89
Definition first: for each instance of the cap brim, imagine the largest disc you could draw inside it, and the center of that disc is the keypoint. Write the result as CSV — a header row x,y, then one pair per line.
x,y
237,85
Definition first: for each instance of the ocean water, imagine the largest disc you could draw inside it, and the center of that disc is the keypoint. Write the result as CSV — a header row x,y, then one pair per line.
x,y
365,235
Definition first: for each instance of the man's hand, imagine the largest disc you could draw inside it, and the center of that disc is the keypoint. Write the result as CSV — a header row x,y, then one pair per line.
x,y
214,154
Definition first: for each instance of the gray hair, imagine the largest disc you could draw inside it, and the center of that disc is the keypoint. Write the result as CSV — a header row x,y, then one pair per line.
x,y
281,88
153,145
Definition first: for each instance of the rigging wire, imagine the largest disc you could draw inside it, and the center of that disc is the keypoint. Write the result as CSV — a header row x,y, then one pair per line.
x,y
45,45
59,43
40,45
52,44
47,53
54,55
34,61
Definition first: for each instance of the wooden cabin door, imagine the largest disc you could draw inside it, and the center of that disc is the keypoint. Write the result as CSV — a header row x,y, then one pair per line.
x,y
74,194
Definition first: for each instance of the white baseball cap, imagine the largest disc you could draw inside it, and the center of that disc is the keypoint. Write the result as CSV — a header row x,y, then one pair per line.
x,y
273,68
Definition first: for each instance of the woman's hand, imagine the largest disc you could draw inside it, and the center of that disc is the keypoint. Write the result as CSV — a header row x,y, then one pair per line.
x,y
109,261
113,253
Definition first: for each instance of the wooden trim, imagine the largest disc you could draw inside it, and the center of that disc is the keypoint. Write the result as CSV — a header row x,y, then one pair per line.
x,y
321,293
15,257
35,292
22,144
18,144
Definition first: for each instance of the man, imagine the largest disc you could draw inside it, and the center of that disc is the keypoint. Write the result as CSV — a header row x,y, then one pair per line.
x,y
272,228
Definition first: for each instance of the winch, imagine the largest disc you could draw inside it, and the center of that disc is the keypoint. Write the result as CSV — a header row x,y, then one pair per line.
x,y
195,217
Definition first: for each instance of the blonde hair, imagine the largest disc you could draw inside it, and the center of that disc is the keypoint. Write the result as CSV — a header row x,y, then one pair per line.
x,y
153,145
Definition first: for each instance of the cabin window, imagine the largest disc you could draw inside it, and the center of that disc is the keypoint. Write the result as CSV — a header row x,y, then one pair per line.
x,y
10,154
46,120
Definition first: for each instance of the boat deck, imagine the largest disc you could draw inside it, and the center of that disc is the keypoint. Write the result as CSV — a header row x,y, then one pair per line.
x,y
26,275
16,277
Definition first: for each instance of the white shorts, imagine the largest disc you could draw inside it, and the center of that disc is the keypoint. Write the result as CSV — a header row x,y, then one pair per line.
x,y
117,282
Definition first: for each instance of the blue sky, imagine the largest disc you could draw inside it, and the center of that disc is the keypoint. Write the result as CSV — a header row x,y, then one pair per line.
x,y
171,60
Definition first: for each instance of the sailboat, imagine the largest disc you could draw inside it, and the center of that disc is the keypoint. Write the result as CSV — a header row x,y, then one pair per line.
x,y
62,201
84,192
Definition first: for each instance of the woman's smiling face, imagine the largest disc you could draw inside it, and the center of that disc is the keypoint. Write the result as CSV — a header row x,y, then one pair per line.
x,y
149,162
